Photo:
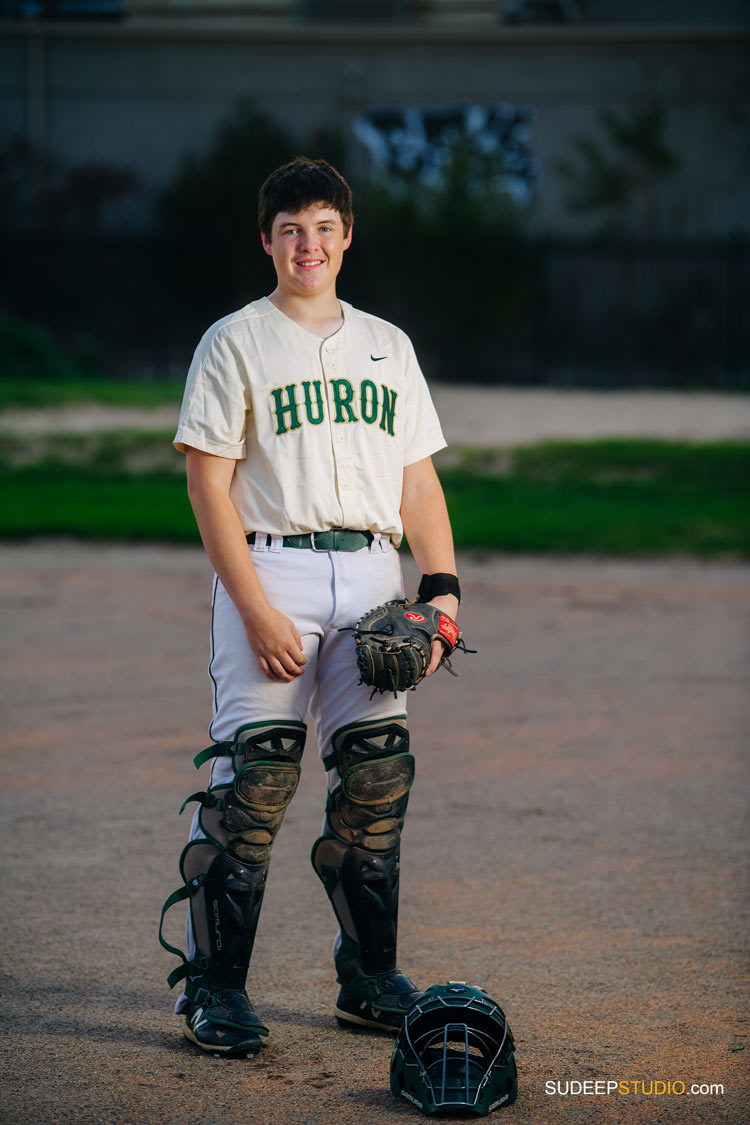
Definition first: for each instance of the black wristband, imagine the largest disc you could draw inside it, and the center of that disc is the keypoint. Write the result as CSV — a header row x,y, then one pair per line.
x,y
434,585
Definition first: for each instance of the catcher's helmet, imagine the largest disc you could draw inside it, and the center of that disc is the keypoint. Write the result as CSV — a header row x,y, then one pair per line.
x,y
455,1052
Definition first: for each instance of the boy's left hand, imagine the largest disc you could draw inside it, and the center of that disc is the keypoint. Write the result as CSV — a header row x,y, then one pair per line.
x,y
446,603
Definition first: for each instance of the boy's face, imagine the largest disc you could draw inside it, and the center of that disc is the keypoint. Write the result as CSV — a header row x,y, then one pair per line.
x,y
307,249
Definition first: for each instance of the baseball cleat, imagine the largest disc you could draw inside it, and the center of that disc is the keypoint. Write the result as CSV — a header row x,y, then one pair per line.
x,y
379,1002
224,1023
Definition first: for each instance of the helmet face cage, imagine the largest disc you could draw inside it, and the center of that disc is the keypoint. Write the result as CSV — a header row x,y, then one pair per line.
x,y
455,1051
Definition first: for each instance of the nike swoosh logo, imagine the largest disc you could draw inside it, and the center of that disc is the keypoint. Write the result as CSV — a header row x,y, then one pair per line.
x,y
377,358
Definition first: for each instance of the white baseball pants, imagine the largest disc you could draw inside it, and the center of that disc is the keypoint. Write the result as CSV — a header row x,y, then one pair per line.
x,y
322,592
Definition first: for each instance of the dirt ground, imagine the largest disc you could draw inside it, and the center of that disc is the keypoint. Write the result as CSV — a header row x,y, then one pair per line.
x,y
576,844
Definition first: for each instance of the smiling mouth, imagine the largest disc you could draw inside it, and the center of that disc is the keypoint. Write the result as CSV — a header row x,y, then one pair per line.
x,y
309,263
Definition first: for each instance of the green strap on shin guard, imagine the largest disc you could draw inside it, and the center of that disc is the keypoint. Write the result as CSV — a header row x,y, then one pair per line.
x,y
180,895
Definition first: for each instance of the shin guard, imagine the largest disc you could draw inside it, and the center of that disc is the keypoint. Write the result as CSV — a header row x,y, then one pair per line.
x,y
357,857
225,870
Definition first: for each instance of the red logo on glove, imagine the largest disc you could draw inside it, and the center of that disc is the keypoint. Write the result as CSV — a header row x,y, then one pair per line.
x,y
415,617
448,629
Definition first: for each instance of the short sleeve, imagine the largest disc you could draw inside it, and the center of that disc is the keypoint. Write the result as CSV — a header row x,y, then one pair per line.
x,y
216,402
423,434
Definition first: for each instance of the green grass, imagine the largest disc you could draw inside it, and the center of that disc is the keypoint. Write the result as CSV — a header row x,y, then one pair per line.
x,y
125,485
627,497
151,506
614,497
30,394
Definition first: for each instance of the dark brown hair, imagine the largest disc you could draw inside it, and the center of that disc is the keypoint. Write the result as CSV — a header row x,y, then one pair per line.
x,y
300,184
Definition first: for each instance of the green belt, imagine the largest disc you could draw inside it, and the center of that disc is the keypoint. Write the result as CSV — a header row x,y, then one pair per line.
x,y
335,539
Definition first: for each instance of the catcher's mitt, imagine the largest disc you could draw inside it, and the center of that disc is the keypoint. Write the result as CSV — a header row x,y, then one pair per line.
x,y
394,643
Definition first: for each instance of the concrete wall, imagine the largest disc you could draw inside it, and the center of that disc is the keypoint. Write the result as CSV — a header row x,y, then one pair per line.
x,y
145,93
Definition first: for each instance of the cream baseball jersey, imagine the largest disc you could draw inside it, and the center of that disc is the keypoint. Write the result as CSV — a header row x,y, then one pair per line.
x,y
321,429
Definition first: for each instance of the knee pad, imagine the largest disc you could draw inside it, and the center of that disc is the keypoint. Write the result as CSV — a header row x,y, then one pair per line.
x,y
376,770
243,816
225,870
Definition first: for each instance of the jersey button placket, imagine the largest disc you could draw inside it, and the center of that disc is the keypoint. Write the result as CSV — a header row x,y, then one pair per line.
x,y
328,353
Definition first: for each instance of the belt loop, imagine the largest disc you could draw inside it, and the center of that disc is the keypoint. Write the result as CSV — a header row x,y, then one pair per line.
x,y
375,544
261,539
277,542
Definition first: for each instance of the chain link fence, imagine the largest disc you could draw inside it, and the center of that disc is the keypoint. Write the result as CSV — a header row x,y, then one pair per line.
x,y
545,312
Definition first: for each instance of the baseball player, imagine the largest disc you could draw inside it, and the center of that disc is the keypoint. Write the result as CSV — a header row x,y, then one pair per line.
x,y
308,430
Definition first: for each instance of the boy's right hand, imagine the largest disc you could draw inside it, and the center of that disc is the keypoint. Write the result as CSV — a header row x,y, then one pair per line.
x,y
276,643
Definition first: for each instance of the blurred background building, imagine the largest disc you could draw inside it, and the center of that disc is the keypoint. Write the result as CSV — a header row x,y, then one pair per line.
x,y
597,148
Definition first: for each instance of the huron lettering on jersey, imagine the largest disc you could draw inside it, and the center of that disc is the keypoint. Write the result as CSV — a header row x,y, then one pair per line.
x,y
299,402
